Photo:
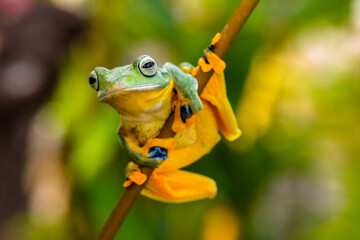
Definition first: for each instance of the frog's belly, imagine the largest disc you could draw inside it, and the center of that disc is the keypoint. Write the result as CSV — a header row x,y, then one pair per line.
x,y
193,143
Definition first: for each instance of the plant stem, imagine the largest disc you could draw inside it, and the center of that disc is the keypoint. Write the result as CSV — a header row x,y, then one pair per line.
x,y
130,194
122,208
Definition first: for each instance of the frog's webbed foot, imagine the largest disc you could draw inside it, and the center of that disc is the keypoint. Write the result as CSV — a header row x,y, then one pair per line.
x,y
158,153
215,91
183,115
155,152
210,60
151,154
134,175
154,157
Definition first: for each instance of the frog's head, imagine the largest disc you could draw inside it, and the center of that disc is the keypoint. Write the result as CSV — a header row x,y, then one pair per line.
x,y
136,86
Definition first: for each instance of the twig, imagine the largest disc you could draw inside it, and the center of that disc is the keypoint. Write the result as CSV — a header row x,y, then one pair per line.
x,y
130,194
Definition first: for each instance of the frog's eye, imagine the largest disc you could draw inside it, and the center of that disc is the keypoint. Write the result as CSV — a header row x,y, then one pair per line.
x,y
147,66
94,81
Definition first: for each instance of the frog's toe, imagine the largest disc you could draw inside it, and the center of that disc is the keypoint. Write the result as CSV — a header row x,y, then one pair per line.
x,y
134,175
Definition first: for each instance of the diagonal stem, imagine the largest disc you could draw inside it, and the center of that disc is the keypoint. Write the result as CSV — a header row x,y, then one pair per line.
x,y
130,194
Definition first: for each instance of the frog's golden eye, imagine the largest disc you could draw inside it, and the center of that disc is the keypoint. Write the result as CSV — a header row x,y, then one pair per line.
x,y
147,66
94,81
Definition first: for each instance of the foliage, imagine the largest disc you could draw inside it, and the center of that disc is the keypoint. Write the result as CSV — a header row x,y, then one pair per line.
x,y
293,79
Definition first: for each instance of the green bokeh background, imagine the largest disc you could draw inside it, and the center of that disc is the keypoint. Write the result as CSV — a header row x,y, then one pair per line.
x,y
293,80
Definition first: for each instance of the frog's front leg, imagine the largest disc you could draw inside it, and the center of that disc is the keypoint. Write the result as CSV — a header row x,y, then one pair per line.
x,y
187,85
151,154
157,152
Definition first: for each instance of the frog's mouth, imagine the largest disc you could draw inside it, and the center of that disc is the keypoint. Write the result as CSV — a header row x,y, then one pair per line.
x,y
117,92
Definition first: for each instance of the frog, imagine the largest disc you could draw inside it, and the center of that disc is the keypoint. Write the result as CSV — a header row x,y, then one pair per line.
x,y
142,93
145,95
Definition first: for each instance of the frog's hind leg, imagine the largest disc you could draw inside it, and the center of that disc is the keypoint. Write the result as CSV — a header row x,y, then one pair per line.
x,y
215,94
193,143
179,186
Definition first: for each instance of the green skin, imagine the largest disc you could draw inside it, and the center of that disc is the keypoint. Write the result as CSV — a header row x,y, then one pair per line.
x,y
138,77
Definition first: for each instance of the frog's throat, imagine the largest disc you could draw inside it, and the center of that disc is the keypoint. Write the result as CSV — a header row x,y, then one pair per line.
x,y
116,92
142,106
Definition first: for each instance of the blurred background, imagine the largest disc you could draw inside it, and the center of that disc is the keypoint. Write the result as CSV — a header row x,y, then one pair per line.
x,y
293,79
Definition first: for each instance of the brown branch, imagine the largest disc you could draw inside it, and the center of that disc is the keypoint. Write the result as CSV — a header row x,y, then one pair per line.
x,y
130,194
122,208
